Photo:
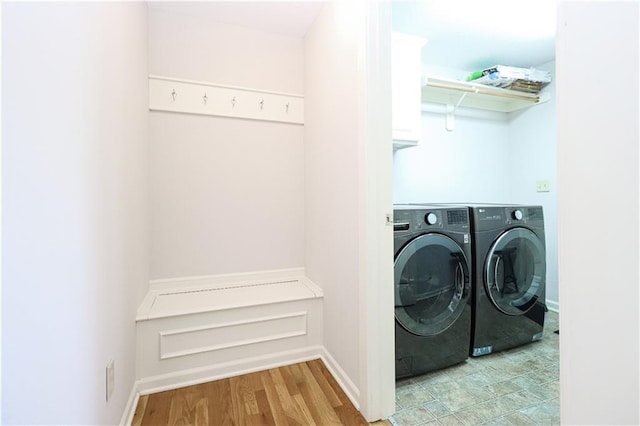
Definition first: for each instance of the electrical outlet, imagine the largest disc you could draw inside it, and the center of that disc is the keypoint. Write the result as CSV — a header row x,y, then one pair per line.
x,y
543,186
111,378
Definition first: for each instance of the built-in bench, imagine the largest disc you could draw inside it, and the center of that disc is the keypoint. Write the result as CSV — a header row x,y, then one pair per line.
x,y
199,329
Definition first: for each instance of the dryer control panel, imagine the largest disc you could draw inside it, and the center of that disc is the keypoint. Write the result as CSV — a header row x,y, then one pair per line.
x,y
489,217
525,214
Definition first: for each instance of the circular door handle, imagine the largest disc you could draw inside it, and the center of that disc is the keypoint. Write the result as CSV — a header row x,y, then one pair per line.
x,y
495,275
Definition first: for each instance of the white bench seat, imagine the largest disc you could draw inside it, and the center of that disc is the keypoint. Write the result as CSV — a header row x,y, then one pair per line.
x,y
200,329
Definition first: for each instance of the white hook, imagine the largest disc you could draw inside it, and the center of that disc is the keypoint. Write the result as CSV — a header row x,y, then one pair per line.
x,y
174,94
205,98
261,103
286,107
233,102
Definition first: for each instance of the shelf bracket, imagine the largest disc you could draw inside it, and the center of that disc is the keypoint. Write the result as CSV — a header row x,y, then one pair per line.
x,y
449,119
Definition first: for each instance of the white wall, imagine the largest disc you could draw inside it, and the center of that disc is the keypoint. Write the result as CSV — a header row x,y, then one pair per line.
x,y
332,221
75,252
532,157
466,165
227,195
598,211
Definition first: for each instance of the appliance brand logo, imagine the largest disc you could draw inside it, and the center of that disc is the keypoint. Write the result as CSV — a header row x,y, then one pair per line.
x,y
489,216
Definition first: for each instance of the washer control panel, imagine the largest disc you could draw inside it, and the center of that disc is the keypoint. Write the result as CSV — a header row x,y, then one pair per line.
x,y
431,218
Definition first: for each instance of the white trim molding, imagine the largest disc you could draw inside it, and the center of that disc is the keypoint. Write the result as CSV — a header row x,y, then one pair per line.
x,y
195,376
174,343
163,285
347,385
190,295
132,405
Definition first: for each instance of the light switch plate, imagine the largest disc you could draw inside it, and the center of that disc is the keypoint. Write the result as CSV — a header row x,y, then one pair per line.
x,y
543,186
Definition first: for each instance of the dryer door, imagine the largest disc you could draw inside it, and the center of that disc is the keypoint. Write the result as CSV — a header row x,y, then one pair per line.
x,y
515,271
431,284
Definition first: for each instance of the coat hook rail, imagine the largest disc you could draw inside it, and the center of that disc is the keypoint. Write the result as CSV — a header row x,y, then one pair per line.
x,y
224,101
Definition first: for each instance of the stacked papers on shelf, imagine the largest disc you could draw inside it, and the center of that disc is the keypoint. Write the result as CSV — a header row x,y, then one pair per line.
x,y
522,79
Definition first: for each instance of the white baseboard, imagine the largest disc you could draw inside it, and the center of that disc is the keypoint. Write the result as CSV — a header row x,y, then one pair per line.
x,y
553,306
130,408
196,376
349,388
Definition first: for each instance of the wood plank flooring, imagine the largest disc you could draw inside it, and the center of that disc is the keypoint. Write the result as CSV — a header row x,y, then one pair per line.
x,y
299,394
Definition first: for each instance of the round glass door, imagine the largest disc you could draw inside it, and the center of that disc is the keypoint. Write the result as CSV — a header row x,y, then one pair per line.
x,y
431,284
515,271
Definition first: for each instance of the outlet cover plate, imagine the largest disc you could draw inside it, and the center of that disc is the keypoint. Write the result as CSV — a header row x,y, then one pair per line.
x,y
111,378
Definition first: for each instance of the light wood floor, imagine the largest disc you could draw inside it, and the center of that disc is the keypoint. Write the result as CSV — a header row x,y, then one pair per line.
x,y
299,394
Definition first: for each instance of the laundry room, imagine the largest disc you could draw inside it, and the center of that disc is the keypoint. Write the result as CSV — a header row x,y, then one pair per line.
x,y
315,208
484,142
488,156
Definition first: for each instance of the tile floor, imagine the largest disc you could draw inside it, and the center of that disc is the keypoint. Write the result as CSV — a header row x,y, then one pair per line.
x,y
519,386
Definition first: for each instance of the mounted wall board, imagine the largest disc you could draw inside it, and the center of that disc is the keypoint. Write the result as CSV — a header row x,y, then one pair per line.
x,y
194,97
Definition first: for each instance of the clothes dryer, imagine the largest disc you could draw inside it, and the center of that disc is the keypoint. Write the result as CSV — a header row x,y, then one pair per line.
x,y
509,277
432,287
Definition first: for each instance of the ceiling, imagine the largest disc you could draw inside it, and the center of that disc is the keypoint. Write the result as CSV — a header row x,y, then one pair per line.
x,y
292,18
472,34
462,34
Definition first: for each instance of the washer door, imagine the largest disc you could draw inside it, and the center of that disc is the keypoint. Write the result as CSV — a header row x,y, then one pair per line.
x,y
431,284
515,271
